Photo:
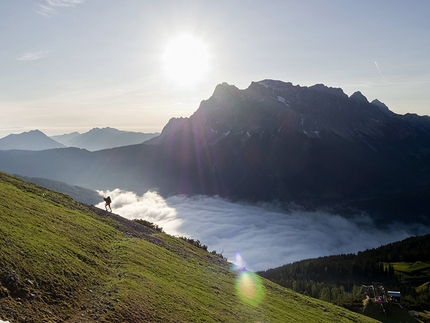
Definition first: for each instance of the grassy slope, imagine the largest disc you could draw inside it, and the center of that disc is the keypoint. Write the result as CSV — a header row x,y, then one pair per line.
x,y
416,270
61,261
415,273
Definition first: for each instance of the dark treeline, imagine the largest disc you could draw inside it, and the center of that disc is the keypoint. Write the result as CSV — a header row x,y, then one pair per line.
x,y
339,278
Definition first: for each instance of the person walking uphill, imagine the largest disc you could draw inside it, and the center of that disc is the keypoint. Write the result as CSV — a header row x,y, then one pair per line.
x,y
108,202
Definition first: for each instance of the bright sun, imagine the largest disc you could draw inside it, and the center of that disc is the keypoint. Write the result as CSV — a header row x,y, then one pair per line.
x,y
186,60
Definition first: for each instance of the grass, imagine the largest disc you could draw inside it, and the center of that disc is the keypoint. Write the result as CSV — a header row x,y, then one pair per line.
x,y
62,261
412,268
53,251
417,273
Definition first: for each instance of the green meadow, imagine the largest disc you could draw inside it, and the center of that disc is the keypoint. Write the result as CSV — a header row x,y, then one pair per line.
x,y
63,261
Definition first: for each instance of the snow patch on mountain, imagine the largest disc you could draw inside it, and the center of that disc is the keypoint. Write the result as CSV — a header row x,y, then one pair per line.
x,y
282,99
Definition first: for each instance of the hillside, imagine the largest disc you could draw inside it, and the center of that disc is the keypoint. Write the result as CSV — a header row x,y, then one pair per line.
x,y
364,267
77,193
63,261
403,266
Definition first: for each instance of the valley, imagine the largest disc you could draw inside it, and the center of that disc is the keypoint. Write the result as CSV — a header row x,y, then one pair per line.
x,y
214,161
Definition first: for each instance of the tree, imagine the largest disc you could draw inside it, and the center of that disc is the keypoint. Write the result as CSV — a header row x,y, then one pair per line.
x,y
325,294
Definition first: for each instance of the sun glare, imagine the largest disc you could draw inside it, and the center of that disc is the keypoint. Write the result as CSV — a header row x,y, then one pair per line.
x,y
186,60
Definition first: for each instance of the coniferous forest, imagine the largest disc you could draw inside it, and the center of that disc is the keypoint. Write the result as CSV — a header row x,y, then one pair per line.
x,y
402,266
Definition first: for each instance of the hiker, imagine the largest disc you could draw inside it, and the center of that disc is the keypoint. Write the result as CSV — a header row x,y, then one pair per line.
x,y
108,202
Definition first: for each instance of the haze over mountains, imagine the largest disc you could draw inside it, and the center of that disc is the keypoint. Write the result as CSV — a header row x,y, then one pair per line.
x,y
104,138
95,139
31,140
272,141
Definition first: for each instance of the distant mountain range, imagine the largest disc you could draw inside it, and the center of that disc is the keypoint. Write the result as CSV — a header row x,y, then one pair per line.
x,y
314,146
95,139
104,138
31,140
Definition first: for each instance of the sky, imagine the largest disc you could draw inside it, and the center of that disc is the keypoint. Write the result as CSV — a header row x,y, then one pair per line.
x,y
72,65
258,237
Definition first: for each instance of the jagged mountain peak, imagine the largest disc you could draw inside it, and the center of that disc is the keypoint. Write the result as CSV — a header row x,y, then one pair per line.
x,y
380,105
105,129
359,97
169,130
276,85
223,89
269,83
328,90
278,107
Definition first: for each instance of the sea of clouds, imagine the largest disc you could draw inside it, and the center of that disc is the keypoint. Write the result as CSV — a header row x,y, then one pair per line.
x,y
263,236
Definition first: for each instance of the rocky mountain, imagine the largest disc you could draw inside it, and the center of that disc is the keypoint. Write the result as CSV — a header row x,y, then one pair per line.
x,y
315,146
172,127
31,140
103,138
276,141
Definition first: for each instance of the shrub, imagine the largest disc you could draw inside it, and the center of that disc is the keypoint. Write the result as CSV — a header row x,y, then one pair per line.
x,y
149,225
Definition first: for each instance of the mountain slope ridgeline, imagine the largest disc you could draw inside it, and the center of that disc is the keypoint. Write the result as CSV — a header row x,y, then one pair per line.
x,y
63,261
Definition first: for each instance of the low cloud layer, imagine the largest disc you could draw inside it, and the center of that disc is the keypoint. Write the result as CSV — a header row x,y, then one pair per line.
x,y
264,236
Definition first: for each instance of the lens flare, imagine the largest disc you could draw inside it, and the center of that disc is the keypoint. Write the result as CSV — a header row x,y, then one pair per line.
x,y
249,288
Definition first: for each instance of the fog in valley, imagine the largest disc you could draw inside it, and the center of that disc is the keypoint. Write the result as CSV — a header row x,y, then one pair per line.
x,y
257,237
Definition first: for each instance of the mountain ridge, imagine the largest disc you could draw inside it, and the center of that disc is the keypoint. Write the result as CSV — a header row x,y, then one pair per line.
x,y
77,193
241,120
273,141
30,140
93,140
104,138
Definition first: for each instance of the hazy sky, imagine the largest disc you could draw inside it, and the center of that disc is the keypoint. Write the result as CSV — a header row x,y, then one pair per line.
x,y
69,65
264,236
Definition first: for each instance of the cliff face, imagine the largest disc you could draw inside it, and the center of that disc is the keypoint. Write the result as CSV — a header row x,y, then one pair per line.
x,y
274,140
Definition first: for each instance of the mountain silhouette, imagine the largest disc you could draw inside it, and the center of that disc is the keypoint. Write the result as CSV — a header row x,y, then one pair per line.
x,y
31,140
103,138
276,141
273,141
65,138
